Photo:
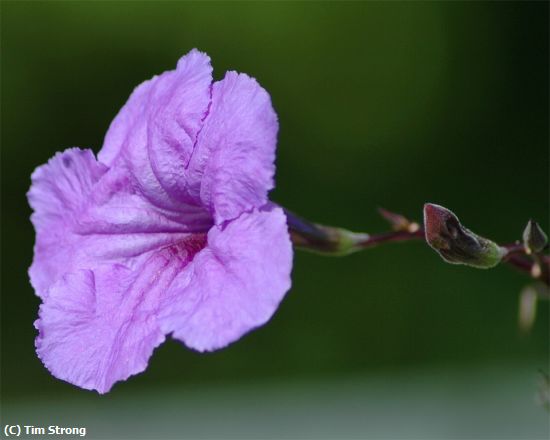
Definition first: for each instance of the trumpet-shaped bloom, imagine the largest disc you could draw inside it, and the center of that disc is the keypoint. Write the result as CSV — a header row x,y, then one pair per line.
x,y
168,231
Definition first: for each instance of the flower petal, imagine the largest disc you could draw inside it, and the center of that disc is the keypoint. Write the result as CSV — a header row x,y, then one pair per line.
x,y
58,189
173,128
86,215
155,132
99,327
60,186
235,152
234,284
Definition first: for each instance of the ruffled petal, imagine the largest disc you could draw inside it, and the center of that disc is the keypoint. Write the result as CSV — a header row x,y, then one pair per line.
x,y
98,327
62,185
86,215
234,284
155,132
59,188
173,128
235,152
188,141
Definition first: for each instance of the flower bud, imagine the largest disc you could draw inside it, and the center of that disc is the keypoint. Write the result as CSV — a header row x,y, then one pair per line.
x,y
457,244
534,238
323,239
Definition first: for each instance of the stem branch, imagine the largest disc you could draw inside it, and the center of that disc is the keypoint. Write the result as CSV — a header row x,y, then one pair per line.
x,y
330,240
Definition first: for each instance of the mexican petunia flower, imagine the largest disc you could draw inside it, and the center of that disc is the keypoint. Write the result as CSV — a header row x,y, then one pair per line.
x,y
168,232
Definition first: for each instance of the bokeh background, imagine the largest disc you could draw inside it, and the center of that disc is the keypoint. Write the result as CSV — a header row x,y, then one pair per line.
x,y
380,104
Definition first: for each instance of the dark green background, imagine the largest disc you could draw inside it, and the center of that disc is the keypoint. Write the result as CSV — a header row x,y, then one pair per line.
x,y
380,104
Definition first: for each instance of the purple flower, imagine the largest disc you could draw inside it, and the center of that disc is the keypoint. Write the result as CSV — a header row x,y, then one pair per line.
x,y
169,231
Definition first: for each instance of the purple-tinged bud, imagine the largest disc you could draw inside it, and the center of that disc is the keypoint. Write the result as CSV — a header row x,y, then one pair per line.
x,y
534,238
323,239
457,244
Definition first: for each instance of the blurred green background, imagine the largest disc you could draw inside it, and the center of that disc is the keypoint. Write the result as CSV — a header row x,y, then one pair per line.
x,y
380,104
